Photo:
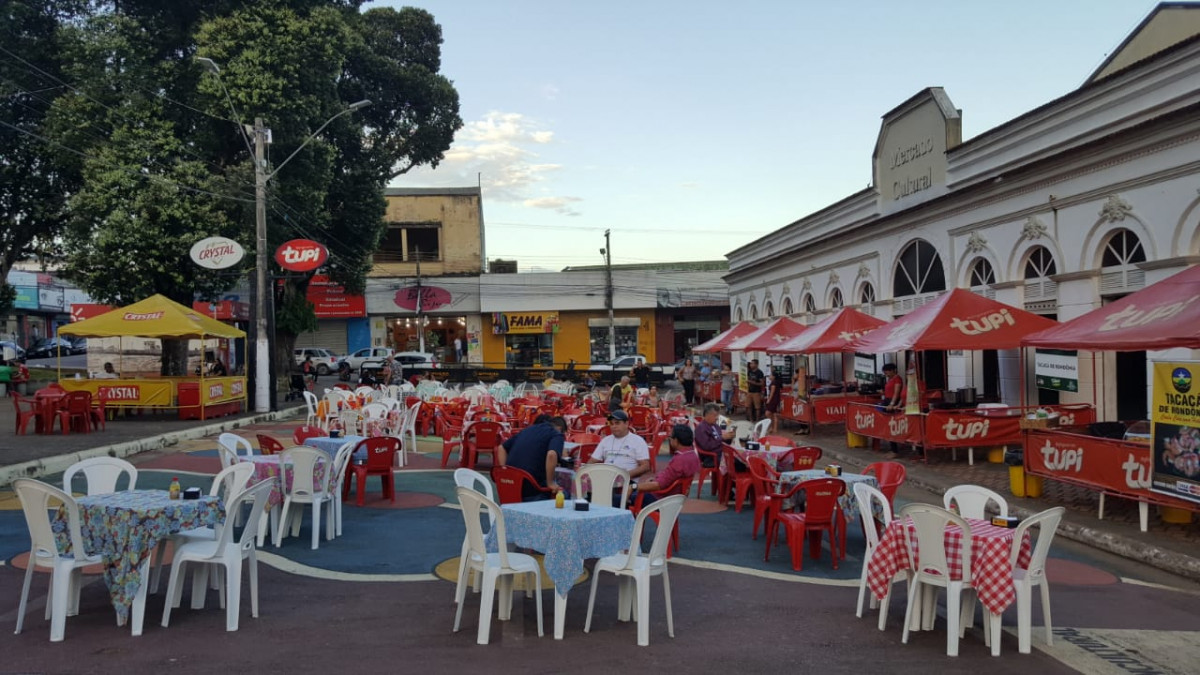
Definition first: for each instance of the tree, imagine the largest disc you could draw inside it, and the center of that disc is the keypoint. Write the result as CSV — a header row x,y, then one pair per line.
x,y
34,183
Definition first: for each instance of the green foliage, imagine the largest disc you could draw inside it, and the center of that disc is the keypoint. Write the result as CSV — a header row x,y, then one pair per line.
x,y
293,312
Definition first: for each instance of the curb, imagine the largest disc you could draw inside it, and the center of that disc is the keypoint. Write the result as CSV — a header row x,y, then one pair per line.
x,y
1141,551
58,463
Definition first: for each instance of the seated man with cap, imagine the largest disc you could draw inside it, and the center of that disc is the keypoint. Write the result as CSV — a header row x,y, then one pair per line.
x,y
684,464
622,449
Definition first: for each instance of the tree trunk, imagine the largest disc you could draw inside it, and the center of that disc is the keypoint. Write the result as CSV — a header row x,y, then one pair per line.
x,y
175,357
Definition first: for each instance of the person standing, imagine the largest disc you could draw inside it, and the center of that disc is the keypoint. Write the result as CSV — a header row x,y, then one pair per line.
x,y
460,349
728,385
687,376
641,374
774,396
536,451
755,380
893,398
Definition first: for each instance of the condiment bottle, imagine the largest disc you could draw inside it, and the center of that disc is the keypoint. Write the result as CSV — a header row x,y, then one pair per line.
x,y
560,500
174,489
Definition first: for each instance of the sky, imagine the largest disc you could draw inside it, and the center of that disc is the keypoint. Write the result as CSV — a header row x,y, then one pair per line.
x,y
690,128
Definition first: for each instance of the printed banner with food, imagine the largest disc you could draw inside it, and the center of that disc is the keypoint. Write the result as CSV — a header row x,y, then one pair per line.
x,y
1175,416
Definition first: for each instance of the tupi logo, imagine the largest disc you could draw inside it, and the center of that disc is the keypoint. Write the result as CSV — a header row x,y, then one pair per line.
x,y
898,426
988,323
1062,460
301,255
1131,316
864,420
1136,474
961,431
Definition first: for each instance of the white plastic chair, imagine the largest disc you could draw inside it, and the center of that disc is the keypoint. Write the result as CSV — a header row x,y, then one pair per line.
x,y
930,523
227,484
351,423
226,553
236,445
641,568
408,432
501,565
65,570
469,478
390,403
306,489
761,428
363,391
101,474
604,479
867,497
1025,579
972,501
374,411
341,461
310,401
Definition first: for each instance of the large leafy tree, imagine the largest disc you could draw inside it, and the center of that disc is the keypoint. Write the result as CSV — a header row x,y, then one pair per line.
x,y
165,164
34,182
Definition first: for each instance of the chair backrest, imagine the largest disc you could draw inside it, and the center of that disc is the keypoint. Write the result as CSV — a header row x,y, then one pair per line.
x,y
585,451
231,481
778,441
485,434
474,507
668,509
889,474
867,497
341,460
760,428
509,480
929,528
36,499
803,458
583,437
236,444
821,498
764,476
410,418
228,457
310,400
306,432
470,478
1047,523
604,480
374,411
268,445
381,452
639,416
972,500
363,390
302,462
390,403
732,458
102,474
79,402
256,496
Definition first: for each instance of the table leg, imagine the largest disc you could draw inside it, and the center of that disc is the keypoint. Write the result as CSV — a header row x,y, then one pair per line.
x,y
560,614
138,611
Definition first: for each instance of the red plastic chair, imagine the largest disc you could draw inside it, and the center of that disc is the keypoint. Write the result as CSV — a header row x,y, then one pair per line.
x,y
305,432
822,513
482,437
450,428
766,483
583,437
343,386
268,445
509,481
801,458
26,410
890,475
641,419
681,486
585,451
777,441
737,482
713,473
381,454
99,412
655,443
78,410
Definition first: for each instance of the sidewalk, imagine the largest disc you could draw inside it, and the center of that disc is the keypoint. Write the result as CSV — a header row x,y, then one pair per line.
x,y
1173,548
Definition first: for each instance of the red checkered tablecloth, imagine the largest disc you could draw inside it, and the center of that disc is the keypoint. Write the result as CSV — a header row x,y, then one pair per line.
x,y
991,574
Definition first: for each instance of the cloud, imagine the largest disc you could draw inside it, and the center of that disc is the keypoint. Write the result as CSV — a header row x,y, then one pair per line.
x,y
550,92
501,148
558,204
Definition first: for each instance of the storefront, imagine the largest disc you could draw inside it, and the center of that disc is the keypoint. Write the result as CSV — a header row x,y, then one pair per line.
x,y
426,315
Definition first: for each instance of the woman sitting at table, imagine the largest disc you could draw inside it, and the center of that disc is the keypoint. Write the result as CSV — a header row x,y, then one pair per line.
x,y
652,399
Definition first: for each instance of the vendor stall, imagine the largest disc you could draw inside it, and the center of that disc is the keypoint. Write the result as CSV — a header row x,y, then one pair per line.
x,y
960,320
1118,458
158,317
774,333
826,403
711,390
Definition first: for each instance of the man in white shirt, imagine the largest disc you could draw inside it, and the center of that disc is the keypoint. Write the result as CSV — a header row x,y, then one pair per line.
x,y
622,449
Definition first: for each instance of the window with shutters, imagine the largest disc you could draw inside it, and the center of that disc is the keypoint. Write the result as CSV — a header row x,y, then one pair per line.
x,y
835,298
982,277
1039,267
1119,274
919,277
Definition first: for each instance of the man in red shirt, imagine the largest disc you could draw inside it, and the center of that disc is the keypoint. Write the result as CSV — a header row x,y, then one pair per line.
x,y
893,389
684,463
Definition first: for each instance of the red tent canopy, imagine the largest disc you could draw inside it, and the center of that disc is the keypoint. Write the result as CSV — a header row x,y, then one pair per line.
x,y
721,342
959,319
772,335
1160,316
834,333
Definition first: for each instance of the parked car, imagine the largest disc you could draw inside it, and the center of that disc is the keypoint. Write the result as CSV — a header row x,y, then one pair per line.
x,y
5,344
78,345
418,360
371,357
324,359
623,364
45,348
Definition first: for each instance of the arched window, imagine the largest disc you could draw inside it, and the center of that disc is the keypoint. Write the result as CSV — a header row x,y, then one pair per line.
x,y
1039,267
753,313
770,309
835,298
866,297
982,273
1123,248
787,307
918,271
738,316
810,305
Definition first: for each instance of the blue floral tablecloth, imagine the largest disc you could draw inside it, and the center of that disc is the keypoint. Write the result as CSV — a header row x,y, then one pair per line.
x,y
124,527
330,446
849,504
567,537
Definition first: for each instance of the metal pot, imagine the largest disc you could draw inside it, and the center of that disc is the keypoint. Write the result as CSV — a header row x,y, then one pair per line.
x,y
966,395
950,397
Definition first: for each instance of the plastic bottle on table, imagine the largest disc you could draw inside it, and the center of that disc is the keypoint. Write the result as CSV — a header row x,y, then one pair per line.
x,y
174,490
559,500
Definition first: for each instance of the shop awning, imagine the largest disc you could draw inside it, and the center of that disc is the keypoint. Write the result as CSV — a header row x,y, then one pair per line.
x,y
720,342
834,333
772,335
1161,316
155,317
959,319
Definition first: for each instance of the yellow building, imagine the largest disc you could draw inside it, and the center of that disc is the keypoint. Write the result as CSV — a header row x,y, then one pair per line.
x,y
441,228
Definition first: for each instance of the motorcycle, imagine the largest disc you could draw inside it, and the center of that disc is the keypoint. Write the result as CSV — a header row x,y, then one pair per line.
x,y
344,371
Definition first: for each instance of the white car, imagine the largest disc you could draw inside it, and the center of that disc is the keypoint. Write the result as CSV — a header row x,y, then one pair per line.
x,y
324,359
408,361
372,357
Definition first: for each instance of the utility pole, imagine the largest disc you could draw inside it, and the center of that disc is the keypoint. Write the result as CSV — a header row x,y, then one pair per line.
x,y
420,319
608,298
262,343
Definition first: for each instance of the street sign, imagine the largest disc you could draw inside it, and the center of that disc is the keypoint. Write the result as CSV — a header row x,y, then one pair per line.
x,y
301,255
217,253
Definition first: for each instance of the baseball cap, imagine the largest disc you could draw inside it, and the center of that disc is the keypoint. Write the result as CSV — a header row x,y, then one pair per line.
x,y
619,415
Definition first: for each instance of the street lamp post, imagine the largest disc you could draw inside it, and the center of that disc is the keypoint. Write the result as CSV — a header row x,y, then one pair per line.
x,y
263,299
608,297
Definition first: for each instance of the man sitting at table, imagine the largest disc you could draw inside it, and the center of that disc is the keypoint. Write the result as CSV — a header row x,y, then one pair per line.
x,y
536,451
621,448
684,464
709,436
109,373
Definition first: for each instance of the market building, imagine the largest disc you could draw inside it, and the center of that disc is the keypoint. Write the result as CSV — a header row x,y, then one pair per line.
x,y
1063,209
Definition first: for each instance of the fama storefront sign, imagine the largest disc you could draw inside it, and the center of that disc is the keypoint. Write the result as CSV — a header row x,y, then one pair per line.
x,y
512,323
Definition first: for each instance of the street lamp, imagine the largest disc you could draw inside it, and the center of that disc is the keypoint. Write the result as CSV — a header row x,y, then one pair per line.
x,y
608,298
263,388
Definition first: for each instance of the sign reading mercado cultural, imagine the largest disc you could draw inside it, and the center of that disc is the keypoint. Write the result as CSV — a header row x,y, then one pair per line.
x,y
217,253
301,255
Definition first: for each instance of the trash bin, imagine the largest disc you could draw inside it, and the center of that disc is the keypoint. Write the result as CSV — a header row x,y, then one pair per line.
x,y
1020,483
995,455
854,440
1170,514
